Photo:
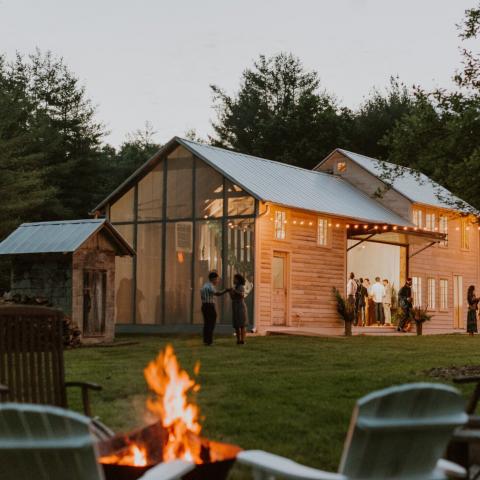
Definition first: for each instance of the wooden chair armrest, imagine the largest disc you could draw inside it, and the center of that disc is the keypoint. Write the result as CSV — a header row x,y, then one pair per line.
x,y
271,465
174,470
88,385
452,470
467,379
85,387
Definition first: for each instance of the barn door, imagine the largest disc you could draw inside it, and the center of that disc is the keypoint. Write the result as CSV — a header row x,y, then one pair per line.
x,y
457,301
94,302
279,288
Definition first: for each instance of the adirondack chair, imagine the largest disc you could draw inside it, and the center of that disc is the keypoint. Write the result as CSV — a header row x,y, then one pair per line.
x,y
397,433
31,358
49,443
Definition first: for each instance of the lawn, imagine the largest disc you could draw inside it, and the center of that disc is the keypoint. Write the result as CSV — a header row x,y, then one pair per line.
x,y
289,395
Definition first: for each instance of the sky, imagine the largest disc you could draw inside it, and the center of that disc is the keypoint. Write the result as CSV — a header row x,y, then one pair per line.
x,y
154,60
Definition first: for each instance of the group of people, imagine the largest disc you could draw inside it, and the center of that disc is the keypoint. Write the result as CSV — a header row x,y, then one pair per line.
x,y
208,294
371,303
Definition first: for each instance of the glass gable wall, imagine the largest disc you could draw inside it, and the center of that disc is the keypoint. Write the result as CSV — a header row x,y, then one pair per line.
x,y
184,219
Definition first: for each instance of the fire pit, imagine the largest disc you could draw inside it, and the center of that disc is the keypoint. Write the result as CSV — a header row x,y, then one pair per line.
x,y
176,435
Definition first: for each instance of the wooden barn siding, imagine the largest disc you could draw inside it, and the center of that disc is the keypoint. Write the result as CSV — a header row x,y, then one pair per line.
x,y
445,262
369,184
314,270
96,253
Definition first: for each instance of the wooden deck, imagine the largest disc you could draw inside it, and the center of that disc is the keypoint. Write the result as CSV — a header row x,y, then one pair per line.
x,y
357,331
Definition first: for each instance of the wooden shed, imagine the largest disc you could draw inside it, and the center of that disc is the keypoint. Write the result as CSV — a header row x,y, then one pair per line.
x,y
70,264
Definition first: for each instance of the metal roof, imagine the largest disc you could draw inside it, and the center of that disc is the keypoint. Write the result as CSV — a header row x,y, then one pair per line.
x,y
295,187
59,237
414,185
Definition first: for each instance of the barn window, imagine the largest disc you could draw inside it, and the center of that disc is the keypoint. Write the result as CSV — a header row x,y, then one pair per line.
x,y
280,225
322,232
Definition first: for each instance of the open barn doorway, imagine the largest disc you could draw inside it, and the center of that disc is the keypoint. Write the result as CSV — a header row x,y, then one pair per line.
x,y
369,260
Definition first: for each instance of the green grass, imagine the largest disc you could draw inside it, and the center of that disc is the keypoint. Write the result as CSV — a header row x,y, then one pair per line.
x,y
288,395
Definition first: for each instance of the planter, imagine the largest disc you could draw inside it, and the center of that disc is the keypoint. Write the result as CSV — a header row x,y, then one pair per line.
x,y
348,328
419,327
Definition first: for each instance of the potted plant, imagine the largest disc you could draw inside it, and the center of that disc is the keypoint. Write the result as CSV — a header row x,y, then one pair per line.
x,y
345,310
420,315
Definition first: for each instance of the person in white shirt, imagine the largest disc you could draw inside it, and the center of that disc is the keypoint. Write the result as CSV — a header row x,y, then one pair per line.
x,y
351,290
378,291
387,302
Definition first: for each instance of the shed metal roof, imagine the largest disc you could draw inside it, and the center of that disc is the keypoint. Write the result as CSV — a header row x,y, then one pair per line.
x,y
295,187
59,237
412,184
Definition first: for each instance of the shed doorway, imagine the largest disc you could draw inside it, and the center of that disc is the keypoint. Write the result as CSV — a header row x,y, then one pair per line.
x,y
279,288
374,259
94,302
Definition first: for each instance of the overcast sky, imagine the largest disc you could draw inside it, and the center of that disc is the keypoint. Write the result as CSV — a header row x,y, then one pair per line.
x,y
153,60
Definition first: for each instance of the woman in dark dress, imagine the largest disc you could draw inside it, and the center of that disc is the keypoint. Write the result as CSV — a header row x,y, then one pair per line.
x,y
239,308
472,310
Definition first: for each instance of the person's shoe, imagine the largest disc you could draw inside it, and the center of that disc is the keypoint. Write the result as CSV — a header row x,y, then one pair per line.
x,y
399,329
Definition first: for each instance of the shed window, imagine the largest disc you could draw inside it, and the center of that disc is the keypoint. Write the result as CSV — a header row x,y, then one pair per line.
x,y
341,167
431,304
417,217
280,225
465,234
443,228
322,232
417,291
430,221
443,284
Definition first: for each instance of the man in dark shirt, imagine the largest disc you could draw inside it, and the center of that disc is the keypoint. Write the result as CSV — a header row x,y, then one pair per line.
x,y
208,293
405,301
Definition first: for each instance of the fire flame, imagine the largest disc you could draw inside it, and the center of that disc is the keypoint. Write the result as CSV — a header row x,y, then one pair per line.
x,y
171,406
135,455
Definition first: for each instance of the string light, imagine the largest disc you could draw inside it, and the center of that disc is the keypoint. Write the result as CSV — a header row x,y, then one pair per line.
x,y
310,223
376,227
356,226
365,227
385,227
347,226
395,227
294,222
405,228
302,222
337,225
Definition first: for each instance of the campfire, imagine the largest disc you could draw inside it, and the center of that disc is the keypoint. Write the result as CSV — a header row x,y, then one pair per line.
x,y
175,433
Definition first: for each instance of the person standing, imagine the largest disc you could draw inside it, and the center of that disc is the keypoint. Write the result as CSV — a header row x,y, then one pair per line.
x,y
239,308
370,307
209,310
472,310
387,302
378,291
405,301
362,298
351,292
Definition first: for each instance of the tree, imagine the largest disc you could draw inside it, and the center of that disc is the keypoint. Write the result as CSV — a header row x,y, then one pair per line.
x,y
377,116
117,166
71,137
279,113
441,135
23,189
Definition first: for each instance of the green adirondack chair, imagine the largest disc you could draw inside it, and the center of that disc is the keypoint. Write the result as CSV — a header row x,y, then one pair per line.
x,y
39,442
397,433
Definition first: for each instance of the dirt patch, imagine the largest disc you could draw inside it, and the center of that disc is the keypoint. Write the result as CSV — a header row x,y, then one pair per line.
x,y
448,373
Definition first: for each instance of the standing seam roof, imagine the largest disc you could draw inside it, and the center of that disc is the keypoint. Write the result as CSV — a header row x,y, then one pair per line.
x,y
54,237
293,186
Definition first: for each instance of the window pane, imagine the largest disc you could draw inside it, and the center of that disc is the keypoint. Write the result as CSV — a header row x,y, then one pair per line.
x,y
150,195
239,202
149,268
443,228
431,294
122,209
322,232
179,184
208,191
124,280
178,273
239,258
208,257
443,294
417,217
280,225
417,291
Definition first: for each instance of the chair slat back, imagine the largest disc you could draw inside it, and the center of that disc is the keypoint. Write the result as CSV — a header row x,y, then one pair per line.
x,y
401,432
46,443
31,355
